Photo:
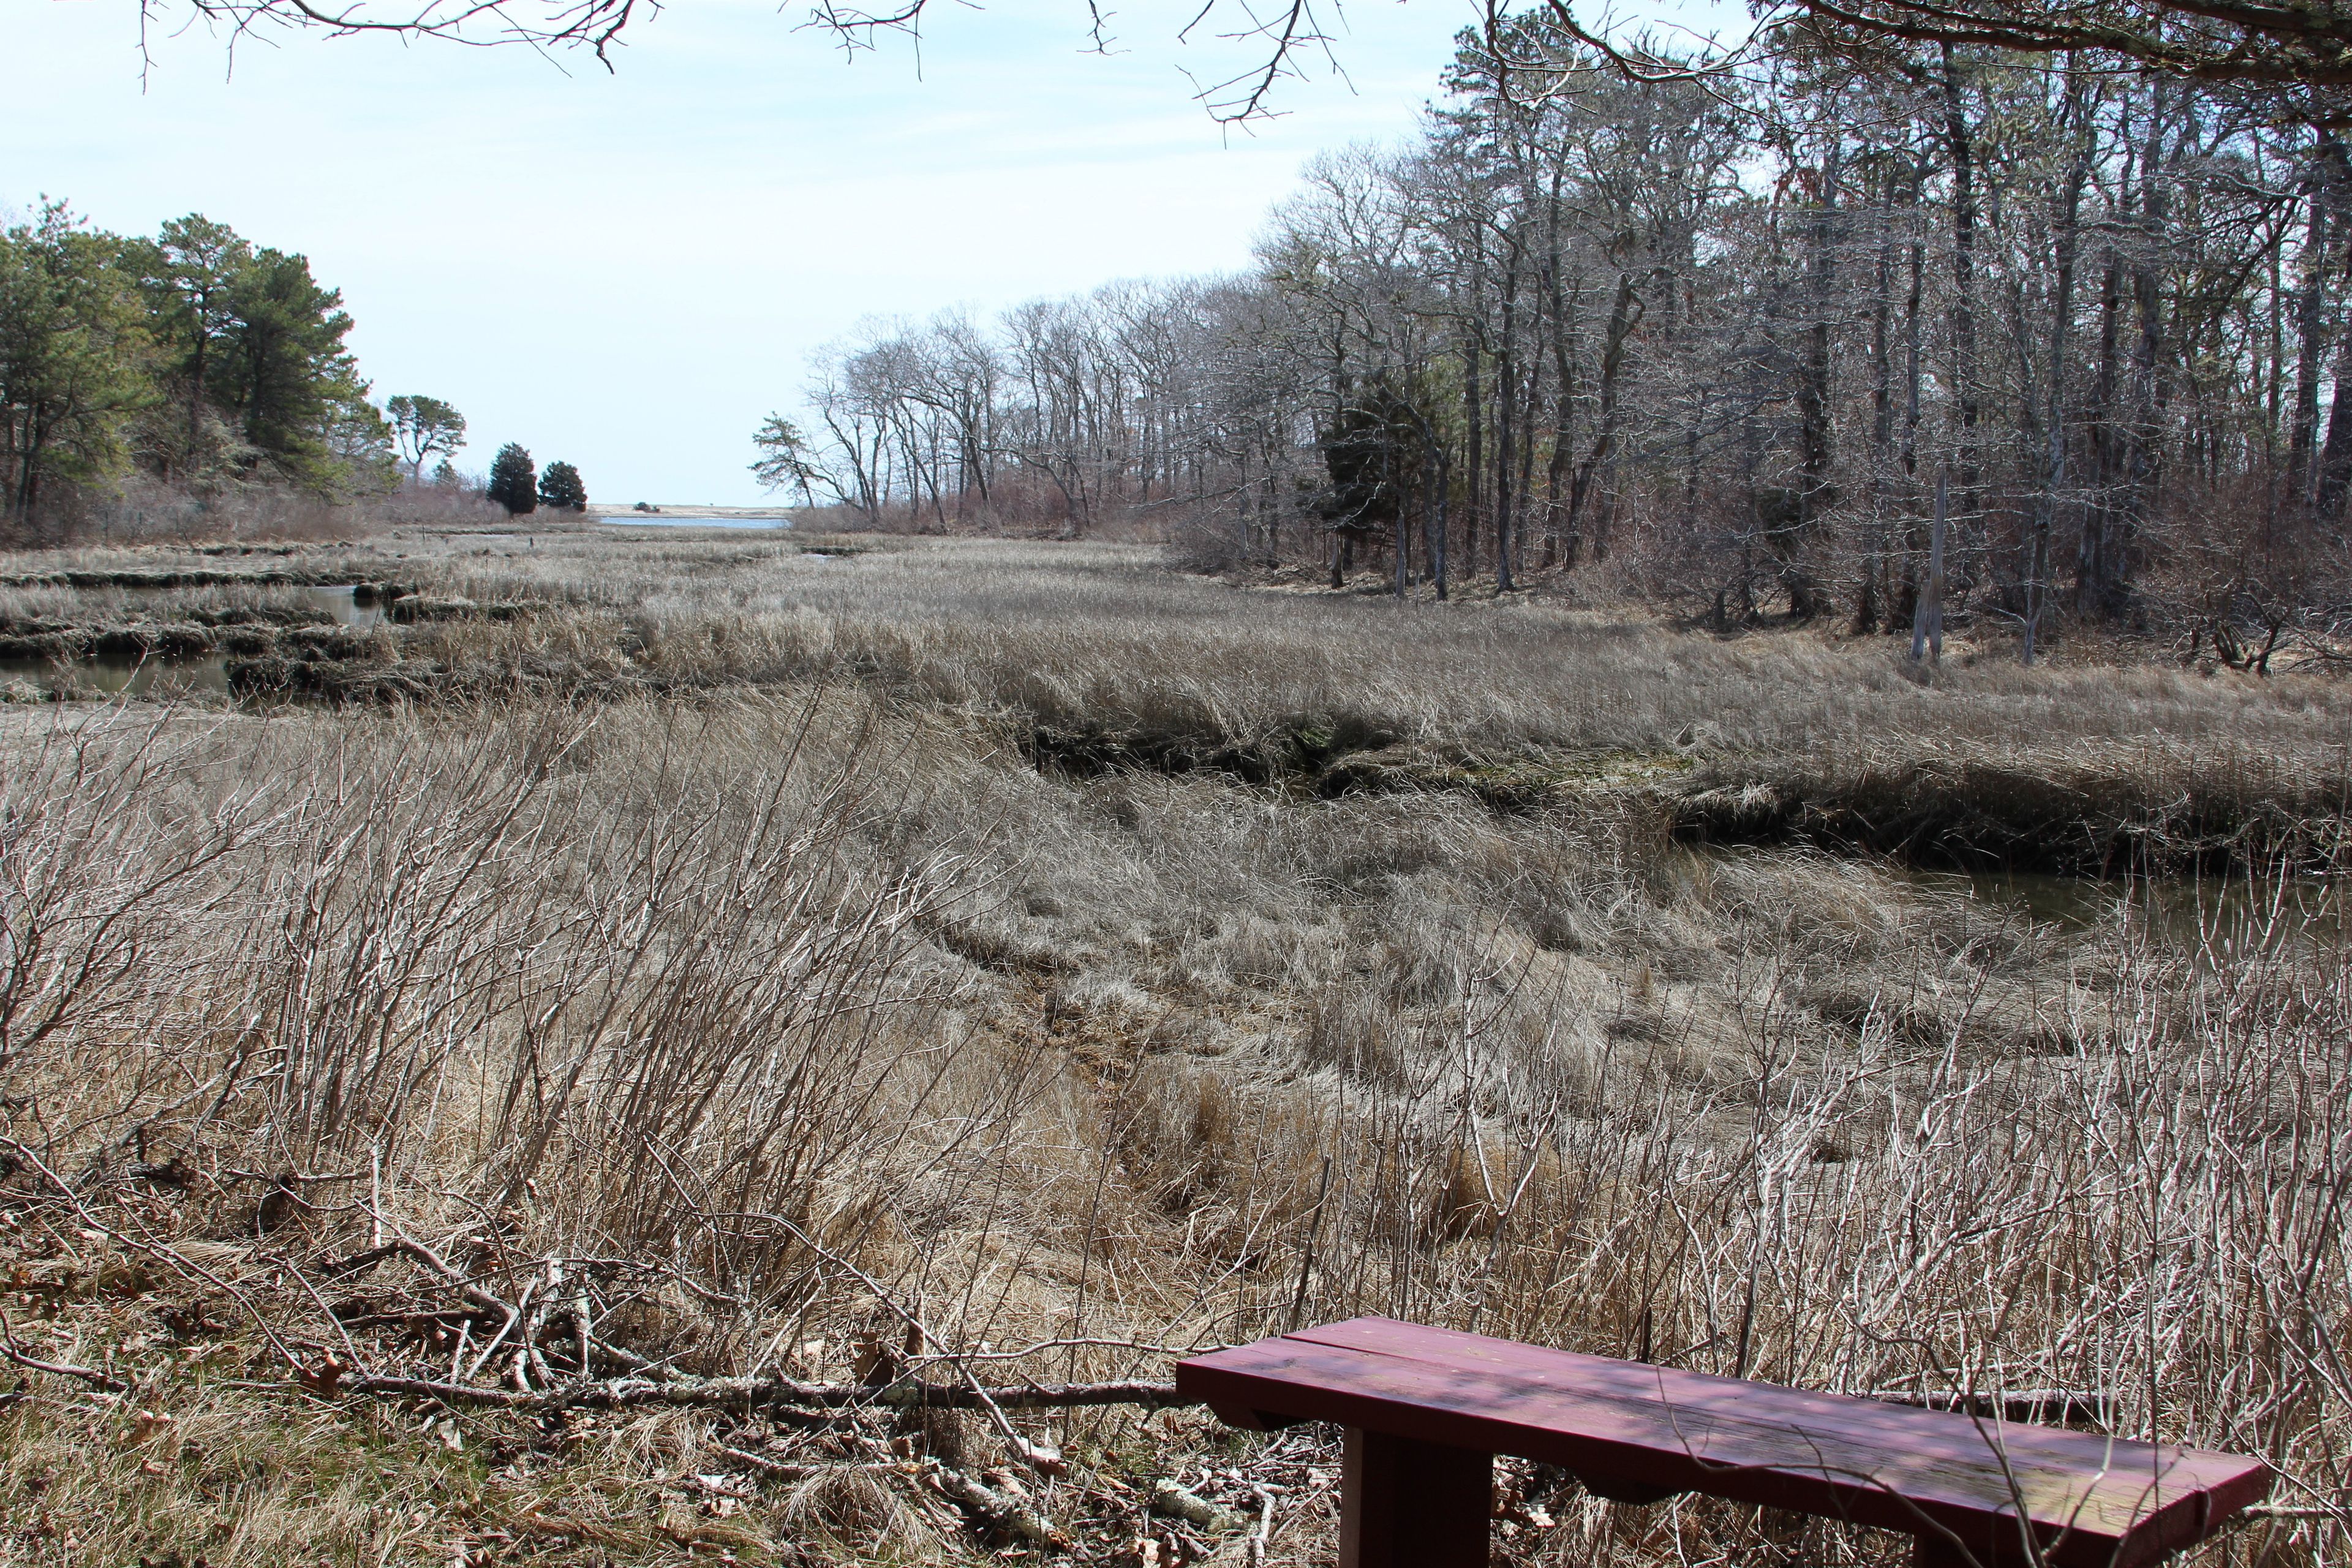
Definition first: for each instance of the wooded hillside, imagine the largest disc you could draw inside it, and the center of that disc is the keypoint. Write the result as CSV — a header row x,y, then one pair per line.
x,y
194,358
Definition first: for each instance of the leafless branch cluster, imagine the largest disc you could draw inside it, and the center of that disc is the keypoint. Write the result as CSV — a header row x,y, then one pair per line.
x,y
1278,44
1733,334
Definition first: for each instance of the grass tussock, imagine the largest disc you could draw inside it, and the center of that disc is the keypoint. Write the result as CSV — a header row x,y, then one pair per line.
x,y
776,1012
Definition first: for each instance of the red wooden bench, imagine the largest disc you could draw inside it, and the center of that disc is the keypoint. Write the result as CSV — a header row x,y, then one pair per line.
x,y
1427,1409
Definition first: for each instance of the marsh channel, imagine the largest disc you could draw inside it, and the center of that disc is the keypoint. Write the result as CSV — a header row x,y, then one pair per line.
x,y
107,674
2218,916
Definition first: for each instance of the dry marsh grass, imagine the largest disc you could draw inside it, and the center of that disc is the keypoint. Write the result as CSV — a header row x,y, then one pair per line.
x,y
1100,660
722,1023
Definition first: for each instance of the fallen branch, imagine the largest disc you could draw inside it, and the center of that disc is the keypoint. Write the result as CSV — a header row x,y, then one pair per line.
x,y
169,1257
1264,1533
92,1376
2289,1510
1168,1499
999,1508
61,1369
755,1393
778,1469
1043,1458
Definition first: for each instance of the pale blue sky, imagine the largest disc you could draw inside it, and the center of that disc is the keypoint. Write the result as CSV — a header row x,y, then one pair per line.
x,y
628,270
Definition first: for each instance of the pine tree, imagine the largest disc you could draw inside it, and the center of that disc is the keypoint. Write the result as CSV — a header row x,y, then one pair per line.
x,y
560,489
513,481
279,368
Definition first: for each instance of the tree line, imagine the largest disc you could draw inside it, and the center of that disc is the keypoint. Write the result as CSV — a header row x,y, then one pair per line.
x,y
195,356
1886,335
207,363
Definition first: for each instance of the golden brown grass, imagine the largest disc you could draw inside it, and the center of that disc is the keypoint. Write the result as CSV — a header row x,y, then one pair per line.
x,y
1093,656
780,980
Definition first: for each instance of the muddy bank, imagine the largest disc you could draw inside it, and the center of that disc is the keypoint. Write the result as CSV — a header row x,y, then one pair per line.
x,y
198,577
1299,754
178,615
169,641
1326,757
342,682
2069,820
2136,818
192,636
411,608
303,631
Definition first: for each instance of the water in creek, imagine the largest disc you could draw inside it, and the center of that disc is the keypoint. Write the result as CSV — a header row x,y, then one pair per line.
x,y
340,602
656,519
2219,915
114,675
344,607
121,675
2239,911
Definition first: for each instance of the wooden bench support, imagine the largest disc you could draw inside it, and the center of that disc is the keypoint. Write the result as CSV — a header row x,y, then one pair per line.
x,y
1409,1504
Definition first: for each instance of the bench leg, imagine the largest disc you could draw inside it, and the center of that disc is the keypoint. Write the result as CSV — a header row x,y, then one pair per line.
x,y
1935,1552
1409,1504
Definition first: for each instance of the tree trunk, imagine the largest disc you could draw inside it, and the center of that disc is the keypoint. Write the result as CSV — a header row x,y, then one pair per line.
x,y
1806,600
1928,619
1961,143
2310,307
1624,315
2062,318
2336,457
1506,391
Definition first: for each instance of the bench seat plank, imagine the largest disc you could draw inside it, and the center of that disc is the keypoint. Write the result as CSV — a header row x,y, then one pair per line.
x,y
2093,1501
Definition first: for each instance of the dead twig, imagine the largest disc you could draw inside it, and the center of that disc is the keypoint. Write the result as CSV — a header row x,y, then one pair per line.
x,y
17,1354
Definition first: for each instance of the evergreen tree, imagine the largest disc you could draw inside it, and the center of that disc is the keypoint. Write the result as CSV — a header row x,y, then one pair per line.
x,y
789,458
251,347
279,368
560,489
191,273
360,459
205,359
75,357
513,481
